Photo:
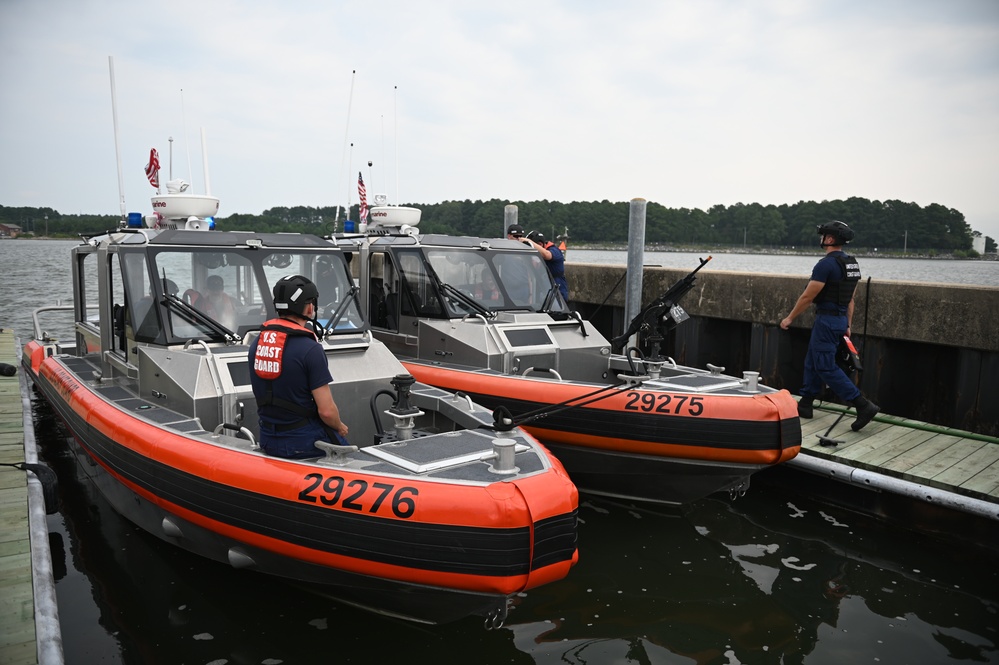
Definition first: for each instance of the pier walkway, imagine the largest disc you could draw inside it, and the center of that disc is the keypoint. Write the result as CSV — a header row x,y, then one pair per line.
x,y
29,617
917,475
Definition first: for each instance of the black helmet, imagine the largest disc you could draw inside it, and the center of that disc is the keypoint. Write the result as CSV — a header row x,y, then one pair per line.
x,y
515,230
838,230
537,236
293,293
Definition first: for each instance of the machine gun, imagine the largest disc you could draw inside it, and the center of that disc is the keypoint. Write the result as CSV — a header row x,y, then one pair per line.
x,y
661,316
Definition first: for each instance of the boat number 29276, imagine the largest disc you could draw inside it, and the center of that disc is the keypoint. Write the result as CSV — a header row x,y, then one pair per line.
x,y
665,403
359,494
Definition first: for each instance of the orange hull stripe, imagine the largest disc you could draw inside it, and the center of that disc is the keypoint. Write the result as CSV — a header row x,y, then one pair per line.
x,y
499,505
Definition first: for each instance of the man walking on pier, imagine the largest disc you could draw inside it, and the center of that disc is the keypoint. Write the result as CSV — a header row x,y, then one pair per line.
x,y
833,281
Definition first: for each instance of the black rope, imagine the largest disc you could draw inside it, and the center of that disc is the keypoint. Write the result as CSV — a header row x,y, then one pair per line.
x,y
610,293
571,403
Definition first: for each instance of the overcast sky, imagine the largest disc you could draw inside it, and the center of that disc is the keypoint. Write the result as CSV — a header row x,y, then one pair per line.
x,y
688,104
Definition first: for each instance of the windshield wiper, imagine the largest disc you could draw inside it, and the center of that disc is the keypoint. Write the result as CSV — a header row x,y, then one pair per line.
x,y
467,300
549,298
462,297
219,330
338,313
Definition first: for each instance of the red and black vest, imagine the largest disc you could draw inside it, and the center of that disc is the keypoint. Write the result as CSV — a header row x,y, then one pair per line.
x,y
268,363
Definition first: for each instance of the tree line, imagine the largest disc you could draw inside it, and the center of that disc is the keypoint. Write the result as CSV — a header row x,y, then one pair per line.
x,y
886,225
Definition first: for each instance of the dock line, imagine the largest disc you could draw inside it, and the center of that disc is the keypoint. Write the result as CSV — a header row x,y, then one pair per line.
x,y
877,481
48,633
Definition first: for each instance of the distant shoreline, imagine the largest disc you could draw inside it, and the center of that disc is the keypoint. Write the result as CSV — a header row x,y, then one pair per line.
x,y
816,251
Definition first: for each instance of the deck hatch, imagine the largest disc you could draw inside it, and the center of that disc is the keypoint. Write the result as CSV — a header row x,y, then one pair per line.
x,y
452,449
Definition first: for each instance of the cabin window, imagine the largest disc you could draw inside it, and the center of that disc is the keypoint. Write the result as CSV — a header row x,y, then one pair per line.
x,y
233,288
383,292
419,297
121,295
142,319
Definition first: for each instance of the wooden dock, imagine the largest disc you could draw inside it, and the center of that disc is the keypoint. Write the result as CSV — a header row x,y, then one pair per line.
x,y
29,619
918,475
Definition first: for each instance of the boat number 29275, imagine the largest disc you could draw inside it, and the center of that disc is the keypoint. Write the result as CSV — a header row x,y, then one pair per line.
x,y
359,494
665,403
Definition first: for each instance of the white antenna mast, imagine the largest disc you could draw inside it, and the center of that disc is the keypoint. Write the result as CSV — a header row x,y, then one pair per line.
x,y
346,133
395,111
204,162
350,166
117,148
187,143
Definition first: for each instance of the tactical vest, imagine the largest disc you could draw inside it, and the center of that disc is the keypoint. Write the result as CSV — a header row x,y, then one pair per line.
x,y
268,363
840,291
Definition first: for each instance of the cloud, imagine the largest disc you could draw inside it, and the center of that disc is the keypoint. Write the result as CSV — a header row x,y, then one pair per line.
x,y
686,104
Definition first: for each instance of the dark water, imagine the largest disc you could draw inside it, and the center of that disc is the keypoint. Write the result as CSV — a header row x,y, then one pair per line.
x,y
771,577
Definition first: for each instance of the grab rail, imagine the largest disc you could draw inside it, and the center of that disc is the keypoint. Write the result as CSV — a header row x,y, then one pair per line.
x,y
242,430
542,370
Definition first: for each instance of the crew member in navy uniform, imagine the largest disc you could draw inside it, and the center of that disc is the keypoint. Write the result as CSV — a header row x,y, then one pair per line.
x,y
834,279
291,378
554,259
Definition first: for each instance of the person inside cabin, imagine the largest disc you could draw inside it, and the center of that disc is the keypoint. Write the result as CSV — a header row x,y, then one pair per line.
x,y
833,282
218,304
486,290
291,378
554,259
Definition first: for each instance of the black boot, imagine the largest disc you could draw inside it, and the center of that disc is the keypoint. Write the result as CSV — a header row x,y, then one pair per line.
x,y
866,410
805,407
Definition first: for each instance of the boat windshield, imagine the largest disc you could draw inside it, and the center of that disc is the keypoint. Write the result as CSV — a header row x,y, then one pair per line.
x,y
496,280
233,288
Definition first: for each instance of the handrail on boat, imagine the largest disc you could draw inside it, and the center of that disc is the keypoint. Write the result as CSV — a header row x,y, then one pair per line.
x,y
549,370
241,430
40,334
201,342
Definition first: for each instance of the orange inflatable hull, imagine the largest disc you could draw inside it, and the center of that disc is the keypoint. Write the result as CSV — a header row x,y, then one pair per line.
x,y
499,538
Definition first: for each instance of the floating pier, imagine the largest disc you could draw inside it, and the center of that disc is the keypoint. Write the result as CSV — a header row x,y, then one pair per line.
x,y
920,476
29,616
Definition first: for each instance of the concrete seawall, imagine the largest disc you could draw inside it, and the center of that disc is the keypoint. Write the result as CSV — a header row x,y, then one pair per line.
x,y
930,351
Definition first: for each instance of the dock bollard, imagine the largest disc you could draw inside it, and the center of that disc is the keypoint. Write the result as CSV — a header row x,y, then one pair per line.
x,y
752,380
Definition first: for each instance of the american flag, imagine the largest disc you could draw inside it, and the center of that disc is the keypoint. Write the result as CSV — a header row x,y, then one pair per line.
x,y
362,193
153,169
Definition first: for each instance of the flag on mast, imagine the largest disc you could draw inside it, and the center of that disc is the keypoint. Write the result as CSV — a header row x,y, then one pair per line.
x,y
153,169
362,194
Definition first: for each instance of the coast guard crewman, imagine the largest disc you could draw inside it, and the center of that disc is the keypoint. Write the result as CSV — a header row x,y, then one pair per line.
x,y
833,281
553,258
291,378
